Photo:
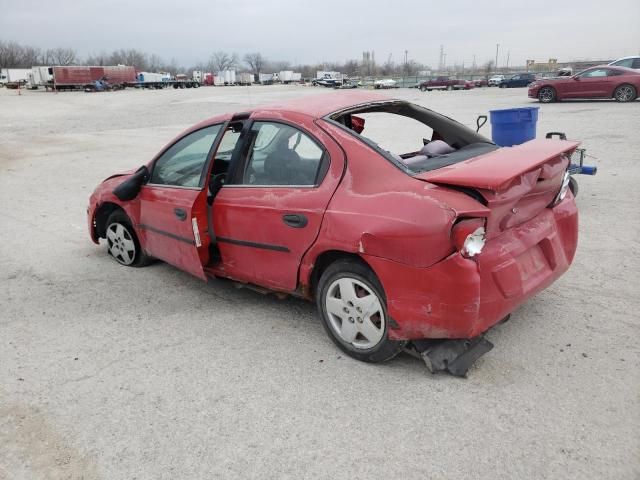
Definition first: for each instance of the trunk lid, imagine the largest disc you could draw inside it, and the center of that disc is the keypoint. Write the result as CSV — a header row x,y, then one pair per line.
x,y
517,182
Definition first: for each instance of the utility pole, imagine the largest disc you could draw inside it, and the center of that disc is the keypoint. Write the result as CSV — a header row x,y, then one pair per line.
x,y
508,54
441,63
406,69
497,48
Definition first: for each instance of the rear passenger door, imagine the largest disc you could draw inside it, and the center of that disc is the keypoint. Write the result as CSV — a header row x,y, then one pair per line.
x,y
270,212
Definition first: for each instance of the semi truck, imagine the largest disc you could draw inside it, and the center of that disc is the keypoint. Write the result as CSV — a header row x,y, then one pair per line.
x,y
77,77
14,77
288,76
153,80
245,78
182,81
40,77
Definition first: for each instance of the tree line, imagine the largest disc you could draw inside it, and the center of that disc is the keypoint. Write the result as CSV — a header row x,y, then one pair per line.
x,y
15,55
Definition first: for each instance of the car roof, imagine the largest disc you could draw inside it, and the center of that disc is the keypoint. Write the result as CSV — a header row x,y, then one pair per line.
x,y
613,67
321,105
624,58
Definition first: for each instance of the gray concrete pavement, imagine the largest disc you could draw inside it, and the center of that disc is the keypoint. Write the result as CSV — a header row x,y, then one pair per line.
x,y
111,373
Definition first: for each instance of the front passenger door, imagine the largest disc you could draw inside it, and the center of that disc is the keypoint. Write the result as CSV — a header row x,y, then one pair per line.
x,y
173,221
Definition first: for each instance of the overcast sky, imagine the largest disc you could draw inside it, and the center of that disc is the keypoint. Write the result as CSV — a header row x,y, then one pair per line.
x,y
326,30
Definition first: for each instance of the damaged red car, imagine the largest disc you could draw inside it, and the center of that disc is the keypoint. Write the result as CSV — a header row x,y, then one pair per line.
x,y
406,227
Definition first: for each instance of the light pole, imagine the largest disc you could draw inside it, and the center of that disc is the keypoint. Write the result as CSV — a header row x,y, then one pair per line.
x,y
497,48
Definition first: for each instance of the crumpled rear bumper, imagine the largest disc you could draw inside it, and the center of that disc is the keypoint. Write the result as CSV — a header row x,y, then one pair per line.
x,y
462,298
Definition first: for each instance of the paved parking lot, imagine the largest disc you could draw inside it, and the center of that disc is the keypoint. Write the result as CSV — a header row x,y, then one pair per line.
x,y
111,373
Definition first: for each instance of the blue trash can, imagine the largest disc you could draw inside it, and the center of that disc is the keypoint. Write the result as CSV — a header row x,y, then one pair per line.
x,y
513,126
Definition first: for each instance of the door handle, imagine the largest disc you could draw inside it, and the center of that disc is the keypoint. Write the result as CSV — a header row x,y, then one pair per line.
x,y
295,220
180,213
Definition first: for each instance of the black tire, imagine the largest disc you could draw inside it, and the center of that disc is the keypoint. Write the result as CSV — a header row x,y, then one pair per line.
x,y
449,87
385,349
573,186
423,89
625,93
137,256
503,85
547,95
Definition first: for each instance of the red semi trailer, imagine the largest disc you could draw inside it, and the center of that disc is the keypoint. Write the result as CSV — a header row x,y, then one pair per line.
x,y
80,77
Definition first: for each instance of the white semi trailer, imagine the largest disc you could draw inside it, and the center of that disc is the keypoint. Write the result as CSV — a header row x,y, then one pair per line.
x,y
14,76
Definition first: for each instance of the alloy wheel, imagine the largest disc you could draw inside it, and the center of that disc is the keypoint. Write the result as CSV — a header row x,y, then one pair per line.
x,y
624,93
546,95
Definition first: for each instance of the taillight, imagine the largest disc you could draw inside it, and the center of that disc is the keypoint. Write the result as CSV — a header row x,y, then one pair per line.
x,y
564,188
468,236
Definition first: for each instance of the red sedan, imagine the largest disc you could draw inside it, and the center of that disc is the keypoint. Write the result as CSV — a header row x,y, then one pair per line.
x,y
438,241
606,81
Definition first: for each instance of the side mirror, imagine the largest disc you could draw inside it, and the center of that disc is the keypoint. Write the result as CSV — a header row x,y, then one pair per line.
x,y
129,189
577,79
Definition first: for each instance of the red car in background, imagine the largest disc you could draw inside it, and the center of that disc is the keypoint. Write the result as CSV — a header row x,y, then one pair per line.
x,y
440,239
445,83
620,83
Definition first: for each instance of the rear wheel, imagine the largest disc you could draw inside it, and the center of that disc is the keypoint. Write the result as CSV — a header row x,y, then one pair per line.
x,y
625,93
547,95
353,310
122,241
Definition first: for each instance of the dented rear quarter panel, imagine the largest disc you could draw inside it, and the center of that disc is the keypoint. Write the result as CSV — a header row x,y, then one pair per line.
x,y
379,210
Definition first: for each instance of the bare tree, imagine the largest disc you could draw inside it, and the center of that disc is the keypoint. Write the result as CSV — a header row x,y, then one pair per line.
x,y
223,61
11,55
99,59
255,61
131,57
61,56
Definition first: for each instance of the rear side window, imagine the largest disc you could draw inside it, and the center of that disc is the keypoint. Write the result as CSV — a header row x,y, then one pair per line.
x,y
282,155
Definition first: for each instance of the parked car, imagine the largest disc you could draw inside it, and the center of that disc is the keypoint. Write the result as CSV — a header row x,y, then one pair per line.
x,y
627,62
385,83
518,80
622,84
495,80
394,247
445,83
480,82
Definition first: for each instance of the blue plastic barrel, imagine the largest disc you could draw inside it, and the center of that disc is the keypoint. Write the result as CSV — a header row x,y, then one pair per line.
x,y
513,126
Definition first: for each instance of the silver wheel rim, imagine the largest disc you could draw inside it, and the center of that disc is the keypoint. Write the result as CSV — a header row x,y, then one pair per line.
x,y
355,313
624,94
121,244
546,94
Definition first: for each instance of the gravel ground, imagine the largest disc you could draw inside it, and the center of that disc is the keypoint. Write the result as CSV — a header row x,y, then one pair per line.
x,y
115,373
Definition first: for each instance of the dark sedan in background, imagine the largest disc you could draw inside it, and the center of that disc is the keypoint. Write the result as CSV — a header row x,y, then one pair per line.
x,y
518,80
622,84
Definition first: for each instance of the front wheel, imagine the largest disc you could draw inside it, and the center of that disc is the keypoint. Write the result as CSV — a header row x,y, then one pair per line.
x,y
547,95
625,93
122,241
353,310
423,89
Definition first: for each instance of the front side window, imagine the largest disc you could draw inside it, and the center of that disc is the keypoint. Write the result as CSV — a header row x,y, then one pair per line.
x,y
282,155
601,72
183,163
